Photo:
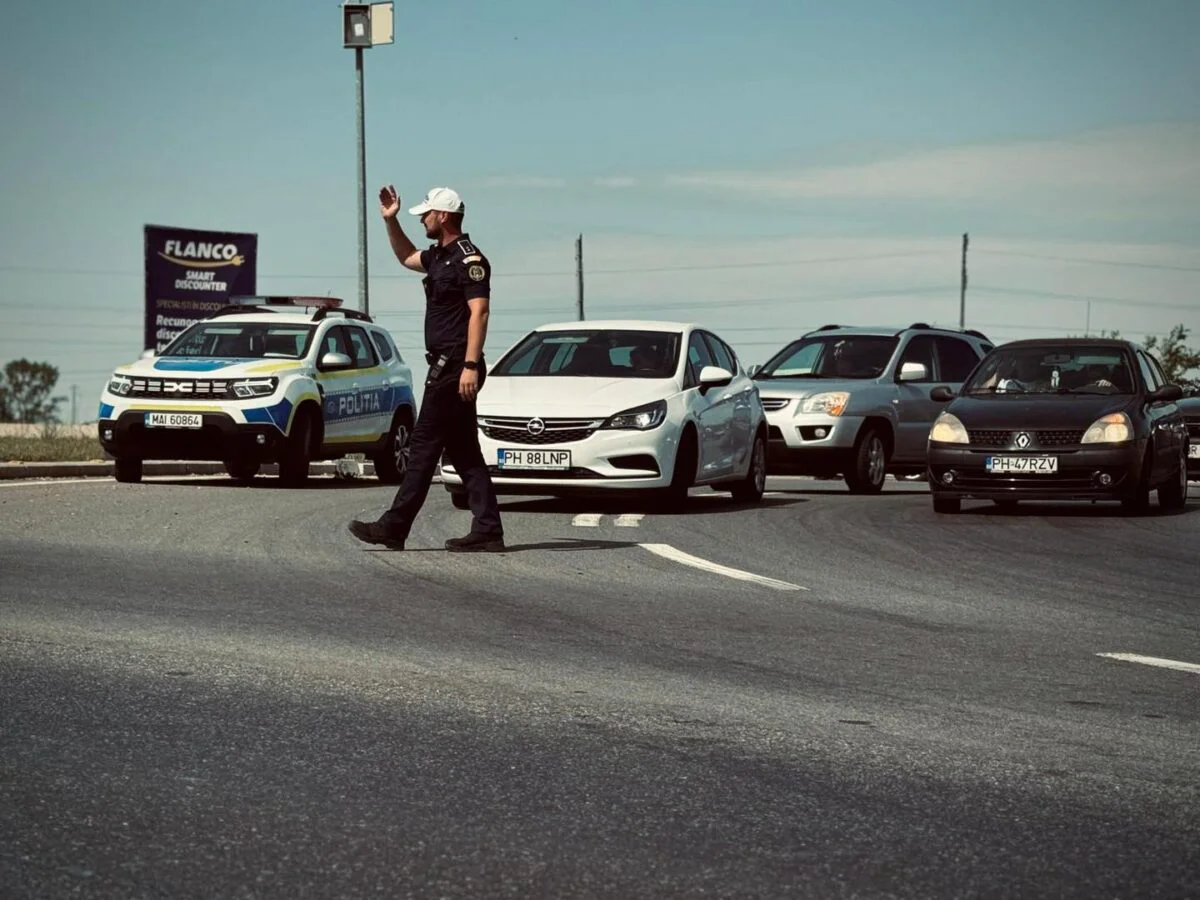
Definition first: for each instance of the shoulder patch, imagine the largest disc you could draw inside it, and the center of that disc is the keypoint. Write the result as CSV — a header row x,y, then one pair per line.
x,y
476,272
466,247
474,257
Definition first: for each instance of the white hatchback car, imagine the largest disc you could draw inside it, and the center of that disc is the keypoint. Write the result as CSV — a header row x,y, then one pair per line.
x,y
586,407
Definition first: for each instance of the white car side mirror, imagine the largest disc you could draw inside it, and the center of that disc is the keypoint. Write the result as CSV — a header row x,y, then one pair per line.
x,y
714,376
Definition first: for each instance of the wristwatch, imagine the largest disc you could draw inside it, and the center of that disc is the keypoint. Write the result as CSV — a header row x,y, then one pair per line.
x,y
470,364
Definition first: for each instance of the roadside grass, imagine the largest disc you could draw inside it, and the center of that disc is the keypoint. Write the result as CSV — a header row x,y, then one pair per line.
x,y
50,446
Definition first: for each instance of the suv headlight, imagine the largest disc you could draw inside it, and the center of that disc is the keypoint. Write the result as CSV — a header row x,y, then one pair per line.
x,y
947,429
120,385
1111,429
640,418
832,403
254,387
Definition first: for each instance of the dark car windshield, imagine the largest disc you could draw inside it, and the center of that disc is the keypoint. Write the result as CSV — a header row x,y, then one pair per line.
x,y
243,340
1049,369
593,353
832,356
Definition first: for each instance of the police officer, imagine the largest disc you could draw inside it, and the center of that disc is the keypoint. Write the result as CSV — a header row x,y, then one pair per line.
x,y
457,294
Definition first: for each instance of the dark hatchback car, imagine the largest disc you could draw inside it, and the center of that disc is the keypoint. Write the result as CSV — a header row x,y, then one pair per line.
x,y
1061,419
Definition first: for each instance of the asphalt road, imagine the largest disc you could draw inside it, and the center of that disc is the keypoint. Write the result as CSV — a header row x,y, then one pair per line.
x,y
212,691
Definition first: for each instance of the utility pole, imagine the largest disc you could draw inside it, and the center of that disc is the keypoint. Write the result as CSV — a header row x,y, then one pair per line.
x,y
1087,328
363,299
74,388
579,278
962,289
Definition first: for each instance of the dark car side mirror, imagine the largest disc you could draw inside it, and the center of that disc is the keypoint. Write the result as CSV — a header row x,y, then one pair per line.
x,y
941,394
1168,393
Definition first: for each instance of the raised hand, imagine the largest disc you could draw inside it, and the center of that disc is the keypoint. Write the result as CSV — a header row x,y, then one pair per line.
x,y
389,202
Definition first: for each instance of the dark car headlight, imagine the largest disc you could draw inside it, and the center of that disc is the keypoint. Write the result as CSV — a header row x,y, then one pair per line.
x,y
1114,428
948,429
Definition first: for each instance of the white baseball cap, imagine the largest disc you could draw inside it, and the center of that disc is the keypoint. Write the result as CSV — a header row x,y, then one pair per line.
x,y
441,199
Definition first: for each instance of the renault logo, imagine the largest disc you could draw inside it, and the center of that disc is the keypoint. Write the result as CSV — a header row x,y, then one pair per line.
x,y
1022,440
535,425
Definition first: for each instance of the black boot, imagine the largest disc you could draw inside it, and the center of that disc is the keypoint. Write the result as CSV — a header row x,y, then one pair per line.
x,y
375,533
476,543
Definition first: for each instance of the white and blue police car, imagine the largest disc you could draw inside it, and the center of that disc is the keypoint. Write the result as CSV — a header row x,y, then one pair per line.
x,y
289,380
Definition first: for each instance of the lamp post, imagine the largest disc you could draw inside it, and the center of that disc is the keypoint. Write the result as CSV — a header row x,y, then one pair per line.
x,y
363,26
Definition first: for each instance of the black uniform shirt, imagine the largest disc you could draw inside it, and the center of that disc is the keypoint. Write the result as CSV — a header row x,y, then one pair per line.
x,y
455,273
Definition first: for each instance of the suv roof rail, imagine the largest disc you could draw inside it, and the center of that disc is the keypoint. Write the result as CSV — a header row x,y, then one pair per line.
x,y
924,325
979,334
240,309
828,327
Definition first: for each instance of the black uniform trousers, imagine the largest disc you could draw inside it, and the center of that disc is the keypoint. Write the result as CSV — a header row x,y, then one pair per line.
x,y
446,423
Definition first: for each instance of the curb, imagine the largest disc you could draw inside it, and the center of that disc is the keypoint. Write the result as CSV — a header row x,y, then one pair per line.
x,y
346,468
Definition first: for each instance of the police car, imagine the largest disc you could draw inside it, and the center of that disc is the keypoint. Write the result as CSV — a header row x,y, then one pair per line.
x,y
288,380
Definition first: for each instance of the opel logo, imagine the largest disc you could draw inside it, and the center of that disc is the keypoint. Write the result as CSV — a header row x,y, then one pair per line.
x,y
1022,440
535,426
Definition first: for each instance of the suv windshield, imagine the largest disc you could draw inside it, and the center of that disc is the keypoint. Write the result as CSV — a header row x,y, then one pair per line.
x,y
1053,369
243,340
832,356
594,354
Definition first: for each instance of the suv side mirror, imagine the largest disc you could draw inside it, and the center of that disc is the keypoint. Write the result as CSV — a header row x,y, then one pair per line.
x,y
913,371
941,394
335,361
1168,393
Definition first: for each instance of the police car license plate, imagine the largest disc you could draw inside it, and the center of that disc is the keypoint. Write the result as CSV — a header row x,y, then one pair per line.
x,y
1022,465
1193,451
534,459
174,420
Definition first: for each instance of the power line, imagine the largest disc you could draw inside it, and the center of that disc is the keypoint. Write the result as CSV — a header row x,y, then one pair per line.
x,y
1091,262
1055,295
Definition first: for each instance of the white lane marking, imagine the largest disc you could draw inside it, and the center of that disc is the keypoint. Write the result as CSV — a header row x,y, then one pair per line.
x,y
586,520
630,520
99,479
1154,661
666,551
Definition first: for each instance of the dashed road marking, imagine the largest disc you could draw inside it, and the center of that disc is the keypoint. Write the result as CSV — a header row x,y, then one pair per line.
x,y
630,520
1154,661
666,551
586,520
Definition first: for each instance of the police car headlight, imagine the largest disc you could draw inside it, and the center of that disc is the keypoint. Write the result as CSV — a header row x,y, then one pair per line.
x,y
948,429
832,403
640,418
120,385
1111,429
257,387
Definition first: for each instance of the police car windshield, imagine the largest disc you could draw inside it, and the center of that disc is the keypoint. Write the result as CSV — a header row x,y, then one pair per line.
x,y
243,340
607,353
1053,369
833,356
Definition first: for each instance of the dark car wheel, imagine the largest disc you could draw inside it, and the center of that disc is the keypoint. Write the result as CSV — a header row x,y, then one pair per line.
x,y
1173,494
868,466
751,489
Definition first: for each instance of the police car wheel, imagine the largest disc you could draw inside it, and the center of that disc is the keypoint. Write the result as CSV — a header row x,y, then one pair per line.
x,y
297,452
392,461
128,470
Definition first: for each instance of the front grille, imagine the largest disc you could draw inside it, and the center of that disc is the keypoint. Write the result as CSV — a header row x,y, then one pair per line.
x,y
770,404
179,388
545,431
1193,425
996,438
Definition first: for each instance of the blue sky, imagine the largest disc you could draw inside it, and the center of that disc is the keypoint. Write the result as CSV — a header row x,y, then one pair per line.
x,y
761,167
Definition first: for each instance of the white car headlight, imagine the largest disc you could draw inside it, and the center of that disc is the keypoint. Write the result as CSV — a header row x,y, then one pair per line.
x,y
947,429
258,387
832,403
640,418
1111,429
120,385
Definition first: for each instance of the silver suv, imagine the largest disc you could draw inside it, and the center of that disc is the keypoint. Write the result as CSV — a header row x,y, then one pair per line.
x,y
854,401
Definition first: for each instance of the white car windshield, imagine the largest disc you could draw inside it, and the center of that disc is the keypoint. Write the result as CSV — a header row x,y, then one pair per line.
x,y
1053,370
243,340
835,356
589,353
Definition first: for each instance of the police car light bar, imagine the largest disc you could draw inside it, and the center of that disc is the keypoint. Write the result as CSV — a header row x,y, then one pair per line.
x,y
274,300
